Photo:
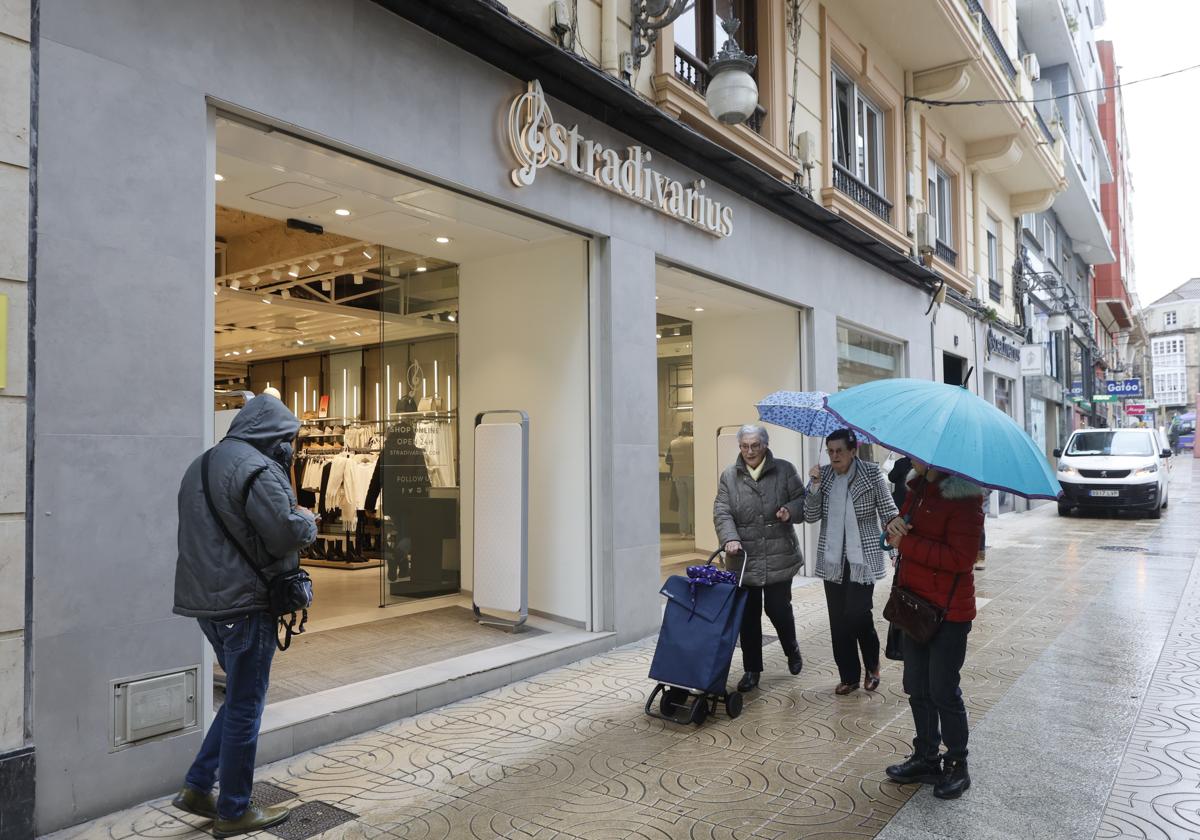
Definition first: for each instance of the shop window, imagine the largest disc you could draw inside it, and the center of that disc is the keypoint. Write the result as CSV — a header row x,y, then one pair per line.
x,y
859,146
864,357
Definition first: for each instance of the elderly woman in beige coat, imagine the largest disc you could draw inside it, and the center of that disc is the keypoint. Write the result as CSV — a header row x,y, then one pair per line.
x,y
759,500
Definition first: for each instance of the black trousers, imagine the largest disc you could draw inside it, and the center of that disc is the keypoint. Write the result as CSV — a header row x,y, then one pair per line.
x,y
931,675
852,626
776,598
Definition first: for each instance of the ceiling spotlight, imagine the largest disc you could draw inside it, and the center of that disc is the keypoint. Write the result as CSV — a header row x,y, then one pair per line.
x,y
658,335
276,274
236,353
287,294
367,253
421,267
656,297
442,240
333,338
217,176
235,284
294,271
339,260
266,300
249,350
227,355
451,317
313,265
358,279
698,309
216,292
394,270
255,279
341,211
356,332
279,168
327,285
300,342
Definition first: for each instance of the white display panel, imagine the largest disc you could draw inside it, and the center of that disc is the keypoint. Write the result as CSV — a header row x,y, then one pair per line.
x,y
501,517
727,448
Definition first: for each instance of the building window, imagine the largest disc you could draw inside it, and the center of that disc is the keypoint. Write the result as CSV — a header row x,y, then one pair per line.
x,y
1029,223
698,30
1170,318
858,133
863,357
995,286
1049,244
941,203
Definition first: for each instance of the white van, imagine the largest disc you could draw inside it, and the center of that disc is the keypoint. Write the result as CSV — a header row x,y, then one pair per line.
x,y
1114,469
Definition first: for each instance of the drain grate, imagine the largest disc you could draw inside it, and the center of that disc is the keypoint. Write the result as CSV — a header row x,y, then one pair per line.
x,y
309,820
1139,548
265,793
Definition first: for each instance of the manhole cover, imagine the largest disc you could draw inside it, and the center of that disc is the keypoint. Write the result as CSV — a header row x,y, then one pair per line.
x,y
265,793
309,820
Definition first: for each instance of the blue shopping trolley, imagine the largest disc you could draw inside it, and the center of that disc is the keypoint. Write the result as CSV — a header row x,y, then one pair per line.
x,y
695,647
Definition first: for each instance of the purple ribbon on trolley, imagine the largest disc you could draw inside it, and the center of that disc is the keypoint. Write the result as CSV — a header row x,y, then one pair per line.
x,y
707,576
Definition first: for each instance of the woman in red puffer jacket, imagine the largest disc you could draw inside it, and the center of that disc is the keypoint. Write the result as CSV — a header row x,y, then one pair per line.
x,y
938,542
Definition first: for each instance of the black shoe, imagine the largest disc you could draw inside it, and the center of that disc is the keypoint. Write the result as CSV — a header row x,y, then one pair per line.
x,y
255,818
915,769
196,802
795,662
955,779
748,682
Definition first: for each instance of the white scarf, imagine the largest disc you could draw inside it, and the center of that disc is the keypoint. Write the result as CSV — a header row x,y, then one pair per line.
x,y
842,538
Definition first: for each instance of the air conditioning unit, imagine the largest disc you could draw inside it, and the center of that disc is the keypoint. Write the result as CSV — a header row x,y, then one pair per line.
x,y
981,288
806,149
926,233
1032,69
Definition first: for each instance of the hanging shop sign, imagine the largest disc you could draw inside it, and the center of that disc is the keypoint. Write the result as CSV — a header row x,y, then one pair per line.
x,y
1000,346
1033,359
1124,387
1135,409
537,141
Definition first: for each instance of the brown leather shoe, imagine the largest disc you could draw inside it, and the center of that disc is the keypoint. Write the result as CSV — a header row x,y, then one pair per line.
x,y
842,689
196,802
871,683
254,818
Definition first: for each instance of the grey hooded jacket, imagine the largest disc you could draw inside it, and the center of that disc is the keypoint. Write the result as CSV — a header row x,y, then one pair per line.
x,y
248,477
745,511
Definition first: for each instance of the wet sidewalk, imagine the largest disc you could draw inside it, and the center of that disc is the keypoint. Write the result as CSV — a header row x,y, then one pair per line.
x,y
1082,680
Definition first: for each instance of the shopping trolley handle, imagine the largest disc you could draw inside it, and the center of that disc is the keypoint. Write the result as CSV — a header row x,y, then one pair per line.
x,y
725,563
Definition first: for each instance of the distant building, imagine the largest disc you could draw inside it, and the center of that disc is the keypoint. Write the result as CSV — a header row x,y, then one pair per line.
x,y
1173,324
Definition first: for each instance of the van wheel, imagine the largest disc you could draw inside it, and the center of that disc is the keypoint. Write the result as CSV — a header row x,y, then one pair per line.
x,y
1156,513
1064,510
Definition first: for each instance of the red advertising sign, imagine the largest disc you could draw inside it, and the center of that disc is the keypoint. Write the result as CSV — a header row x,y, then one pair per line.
x,y
1135,409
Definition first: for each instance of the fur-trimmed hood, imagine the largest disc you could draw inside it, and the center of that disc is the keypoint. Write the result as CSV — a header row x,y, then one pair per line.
x,y
952,486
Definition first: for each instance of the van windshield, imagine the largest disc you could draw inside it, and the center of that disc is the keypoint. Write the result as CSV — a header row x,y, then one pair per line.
x,y
1110,443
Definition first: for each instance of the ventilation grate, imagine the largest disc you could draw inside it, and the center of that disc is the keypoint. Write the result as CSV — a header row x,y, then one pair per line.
x,y
309,820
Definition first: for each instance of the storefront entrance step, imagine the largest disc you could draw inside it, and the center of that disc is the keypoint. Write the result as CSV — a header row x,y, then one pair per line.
x,y
293,726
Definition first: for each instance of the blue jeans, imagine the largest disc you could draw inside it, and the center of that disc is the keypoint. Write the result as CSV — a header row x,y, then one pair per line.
x,y
931,676
244,648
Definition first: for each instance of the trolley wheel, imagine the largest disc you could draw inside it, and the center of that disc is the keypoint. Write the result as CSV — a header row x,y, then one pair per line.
x,y
700,709
671,700
733,704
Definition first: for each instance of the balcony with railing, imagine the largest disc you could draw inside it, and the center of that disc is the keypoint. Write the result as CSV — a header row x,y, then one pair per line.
x,y
945,253
846,182
993,39
996,291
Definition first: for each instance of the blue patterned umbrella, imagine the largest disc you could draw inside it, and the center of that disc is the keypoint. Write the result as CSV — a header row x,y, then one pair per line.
x,y
800,411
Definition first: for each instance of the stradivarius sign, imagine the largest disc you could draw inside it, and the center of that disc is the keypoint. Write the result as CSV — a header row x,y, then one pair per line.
x,y
538,141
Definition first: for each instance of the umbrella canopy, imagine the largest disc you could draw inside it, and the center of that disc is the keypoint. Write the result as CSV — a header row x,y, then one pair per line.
x,y
948,427
800,411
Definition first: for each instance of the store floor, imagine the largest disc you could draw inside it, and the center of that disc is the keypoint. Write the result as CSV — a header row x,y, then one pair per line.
x,y
332,658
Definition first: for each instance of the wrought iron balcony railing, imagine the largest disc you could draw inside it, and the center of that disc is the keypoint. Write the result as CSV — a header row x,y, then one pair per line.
x,y
995,291
945,253
845,181
993,39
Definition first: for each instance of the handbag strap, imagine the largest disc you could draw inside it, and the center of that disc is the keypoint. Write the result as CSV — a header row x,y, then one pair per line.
x,y
221,521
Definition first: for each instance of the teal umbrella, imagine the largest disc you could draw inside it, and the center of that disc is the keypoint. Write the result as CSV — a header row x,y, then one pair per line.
x,y
951,429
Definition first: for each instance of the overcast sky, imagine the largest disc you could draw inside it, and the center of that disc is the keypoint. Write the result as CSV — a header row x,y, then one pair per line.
x,y
1163,122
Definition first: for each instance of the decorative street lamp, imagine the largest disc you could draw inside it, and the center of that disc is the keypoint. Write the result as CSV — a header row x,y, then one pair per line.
x,y
732,94
647,18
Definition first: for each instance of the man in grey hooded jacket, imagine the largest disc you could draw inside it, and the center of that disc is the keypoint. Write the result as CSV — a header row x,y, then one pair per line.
x,y
214,583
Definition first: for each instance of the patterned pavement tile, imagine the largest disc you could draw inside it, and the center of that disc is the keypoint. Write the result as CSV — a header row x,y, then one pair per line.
x,y
133,822
313,777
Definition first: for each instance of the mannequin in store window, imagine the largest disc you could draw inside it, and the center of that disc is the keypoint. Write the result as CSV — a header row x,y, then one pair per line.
x,y
681,460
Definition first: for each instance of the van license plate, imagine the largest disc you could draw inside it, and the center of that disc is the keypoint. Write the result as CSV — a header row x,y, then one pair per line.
x,y
1104,493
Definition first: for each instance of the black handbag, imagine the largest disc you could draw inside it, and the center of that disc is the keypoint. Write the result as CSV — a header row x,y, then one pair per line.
x,y
288,593
913,614
894,646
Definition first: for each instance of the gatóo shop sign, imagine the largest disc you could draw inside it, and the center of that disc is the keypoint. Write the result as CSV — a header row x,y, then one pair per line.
x,y
1124,387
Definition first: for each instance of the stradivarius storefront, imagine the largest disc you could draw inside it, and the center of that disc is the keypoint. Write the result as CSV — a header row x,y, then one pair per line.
x,y
498,249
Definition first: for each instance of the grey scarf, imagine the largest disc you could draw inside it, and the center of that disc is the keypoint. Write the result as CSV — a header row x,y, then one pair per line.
x,y
842,538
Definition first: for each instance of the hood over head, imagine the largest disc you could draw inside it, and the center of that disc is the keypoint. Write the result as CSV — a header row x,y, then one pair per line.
x,y
265,423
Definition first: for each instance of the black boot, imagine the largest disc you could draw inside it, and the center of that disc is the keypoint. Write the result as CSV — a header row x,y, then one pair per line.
x,y
914,769
795,661
748,682
955,779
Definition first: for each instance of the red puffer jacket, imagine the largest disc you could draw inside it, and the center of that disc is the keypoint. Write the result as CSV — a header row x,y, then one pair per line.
x,y
947,523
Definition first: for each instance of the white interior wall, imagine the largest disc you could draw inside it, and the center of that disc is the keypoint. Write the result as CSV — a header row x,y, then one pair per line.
x,y
738,361
524,345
